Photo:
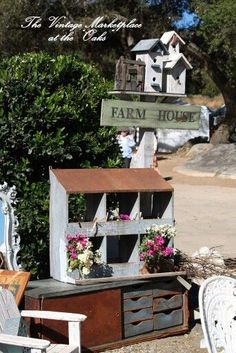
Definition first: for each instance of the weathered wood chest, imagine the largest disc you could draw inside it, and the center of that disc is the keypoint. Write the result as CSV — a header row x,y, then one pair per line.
x,y
118,313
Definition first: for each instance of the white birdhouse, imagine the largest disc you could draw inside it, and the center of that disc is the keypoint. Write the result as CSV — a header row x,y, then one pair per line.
x,y
165,66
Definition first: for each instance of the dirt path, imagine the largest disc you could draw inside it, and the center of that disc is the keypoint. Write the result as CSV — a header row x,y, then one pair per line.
x,y
205,209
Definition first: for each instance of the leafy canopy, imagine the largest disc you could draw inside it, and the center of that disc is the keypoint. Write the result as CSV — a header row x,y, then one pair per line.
x,y
217,32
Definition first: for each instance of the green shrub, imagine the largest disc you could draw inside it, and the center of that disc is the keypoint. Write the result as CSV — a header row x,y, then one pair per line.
x,y
49,117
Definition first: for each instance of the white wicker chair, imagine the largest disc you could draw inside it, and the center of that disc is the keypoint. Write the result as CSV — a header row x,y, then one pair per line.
x,y
217,305
11,342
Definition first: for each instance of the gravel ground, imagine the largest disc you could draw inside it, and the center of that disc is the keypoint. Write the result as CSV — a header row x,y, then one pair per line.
x,y
187,343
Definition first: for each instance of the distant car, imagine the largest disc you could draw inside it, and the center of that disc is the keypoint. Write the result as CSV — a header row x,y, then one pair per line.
x,y
216,117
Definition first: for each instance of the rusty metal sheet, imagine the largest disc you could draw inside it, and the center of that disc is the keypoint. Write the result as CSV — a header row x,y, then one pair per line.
x,y
103,323
111,180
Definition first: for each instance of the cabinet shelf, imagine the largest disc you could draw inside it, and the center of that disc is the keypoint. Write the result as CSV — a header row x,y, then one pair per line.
x,y
114,228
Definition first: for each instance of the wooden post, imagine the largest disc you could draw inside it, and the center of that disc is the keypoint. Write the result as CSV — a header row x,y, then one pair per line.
x,y
58,226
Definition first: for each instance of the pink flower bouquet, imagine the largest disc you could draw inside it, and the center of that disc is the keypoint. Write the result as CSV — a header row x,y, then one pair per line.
x,y
156,244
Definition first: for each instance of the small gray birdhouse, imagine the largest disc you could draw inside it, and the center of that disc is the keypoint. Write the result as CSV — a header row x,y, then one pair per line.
x,y
151,51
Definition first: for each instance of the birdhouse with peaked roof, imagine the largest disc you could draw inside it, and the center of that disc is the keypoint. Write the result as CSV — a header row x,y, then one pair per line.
x,y
174,73
172,41
162,64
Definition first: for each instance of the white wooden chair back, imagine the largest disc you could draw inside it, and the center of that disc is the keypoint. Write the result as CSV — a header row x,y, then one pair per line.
x,y
10,319
217,305
9,313
11,329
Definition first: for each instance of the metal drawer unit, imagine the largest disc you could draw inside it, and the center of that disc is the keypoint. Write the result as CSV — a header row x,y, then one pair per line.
x,y
155,307
167,305
137,310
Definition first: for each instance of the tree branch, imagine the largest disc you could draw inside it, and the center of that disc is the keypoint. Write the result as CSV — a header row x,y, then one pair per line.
x,y
214,72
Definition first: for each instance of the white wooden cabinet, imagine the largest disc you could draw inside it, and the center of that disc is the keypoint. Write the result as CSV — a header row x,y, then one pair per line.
x,y
140,193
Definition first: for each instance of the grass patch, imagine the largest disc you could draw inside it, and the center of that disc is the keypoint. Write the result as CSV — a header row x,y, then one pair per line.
x,y
212,103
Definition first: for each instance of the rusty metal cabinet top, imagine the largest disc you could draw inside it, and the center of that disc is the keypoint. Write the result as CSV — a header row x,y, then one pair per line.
x,y
100,180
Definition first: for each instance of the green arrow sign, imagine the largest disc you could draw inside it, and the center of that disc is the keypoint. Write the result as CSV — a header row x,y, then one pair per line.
x,y
143,114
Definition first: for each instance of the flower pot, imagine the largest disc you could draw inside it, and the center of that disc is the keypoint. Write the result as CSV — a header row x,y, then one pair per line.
x,y
167,265
147,268
163,265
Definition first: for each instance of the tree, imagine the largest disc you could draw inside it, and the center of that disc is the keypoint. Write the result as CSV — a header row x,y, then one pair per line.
x,y
16,38
154,15
213,44
49,117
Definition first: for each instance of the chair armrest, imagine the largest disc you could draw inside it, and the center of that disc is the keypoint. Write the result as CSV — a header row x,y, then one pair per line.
x,y
53,315
20,341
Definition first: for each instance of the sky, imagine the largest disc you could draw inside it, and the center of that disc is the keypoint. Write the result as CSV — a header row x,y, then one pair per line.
x,y
188,20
